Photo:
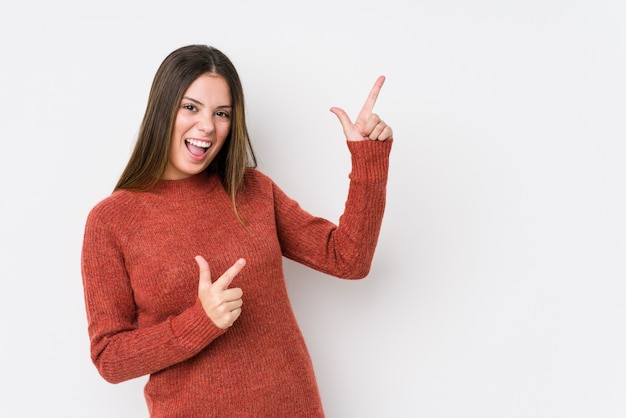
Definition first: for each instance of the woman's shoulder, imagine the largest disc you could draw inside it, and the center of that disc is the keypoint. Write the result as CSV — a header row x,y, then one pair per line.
x,y
255,177
257,184
255,174
119,204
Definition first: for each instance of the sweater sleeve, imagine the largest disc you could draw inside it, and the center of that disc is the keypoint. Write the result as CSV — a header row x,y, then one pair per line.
x,y
345,250
119,349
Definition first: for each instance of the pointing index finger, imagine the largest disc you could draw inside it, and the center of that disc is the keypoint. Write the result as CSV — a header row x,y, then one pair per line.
x,y
224,281
371,98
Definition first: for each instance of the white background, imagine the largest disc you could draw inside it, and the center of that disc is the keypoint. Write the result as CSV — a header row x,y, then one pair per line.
x,y
498,287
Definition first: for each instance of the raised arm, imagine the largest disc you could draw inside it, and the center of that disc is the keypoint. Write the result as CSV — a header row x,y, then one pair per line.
x,y
345,249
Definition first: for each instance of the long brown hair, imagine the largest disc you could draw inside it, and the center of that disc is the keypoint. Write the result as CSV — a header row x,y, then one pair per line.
x,y
178,70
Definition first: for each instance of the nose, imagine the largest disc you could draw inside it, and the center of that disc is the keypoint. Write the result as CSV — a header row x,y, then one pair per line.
x,y
205,122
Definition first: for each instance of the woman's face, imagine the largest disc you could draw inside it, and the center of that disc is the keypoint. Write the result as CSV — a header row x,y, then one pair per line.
x,y
201,127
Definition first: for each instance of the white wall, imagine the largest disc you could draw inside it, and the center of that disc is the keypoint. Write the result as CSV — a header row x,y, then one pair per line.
x,y
498,288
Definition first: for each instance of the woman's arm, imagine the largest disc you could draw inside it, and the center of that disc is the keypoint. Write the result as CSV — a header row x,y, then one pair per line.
x,y
345,250
119,348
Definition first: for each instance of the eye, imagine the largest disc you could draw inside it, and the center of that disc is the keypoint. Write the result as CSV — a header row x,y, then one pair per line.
x,y
222,114
190,107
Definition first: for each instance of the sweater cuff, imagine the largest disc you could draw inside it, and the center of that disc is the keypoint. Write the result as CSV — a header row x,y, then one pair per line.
x,y
370,160
193,329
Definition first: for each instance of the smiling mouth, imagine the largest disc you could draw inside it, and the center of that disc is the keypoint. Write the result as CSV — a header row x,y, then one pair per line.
x,y
197,147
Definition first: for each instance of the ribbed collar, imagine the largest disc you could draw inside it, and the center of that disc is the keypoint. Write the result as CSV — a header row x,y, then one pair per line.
x,y
200,183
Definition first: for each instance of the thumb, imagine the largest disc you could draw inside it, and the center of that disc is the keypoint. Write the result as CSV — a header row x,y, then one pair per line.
x,y
344,119
349,130
205,272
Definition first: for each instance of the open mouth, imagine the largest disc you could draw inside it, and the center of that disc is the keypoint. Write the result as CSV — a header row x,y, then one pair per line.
x,y
197,147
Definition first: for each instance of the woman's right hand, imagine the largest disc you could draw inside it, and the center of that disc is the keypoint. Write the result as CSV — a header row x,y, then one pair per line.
x,y
221,304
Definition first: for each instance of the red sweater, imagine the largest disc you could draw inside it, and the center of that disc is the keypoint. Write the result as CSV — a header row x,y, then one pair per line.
x,y
141,288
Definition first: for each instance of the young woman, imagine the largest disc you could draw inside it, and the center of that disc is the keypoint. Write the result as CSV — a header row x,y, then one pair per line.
x,y
182,263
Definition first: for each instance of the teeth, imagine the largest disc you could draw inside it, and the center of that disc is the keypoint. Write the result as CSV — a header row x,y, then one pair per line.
x,y
201,144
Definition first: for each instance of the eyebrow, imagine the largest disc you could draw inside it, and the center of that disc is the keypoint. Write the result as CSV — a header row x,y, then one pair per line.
x,y
202,104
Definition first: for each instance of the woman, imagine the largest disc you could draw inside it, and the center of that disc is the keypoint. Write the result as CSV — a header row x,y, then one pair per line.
x,y
182,264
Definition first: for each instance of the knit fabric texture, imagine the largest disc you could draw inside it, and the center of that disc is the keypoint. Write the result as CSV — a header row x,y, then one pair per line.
x,y
141,288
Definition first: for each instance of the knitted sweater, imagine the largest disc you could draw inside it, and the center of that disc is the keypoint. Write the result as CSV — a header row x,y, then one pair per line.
x,y
141,288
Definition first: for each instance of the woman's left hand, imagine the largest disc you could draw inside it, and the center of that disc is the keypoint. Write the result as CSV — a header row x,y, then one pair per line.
x,y
367,125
